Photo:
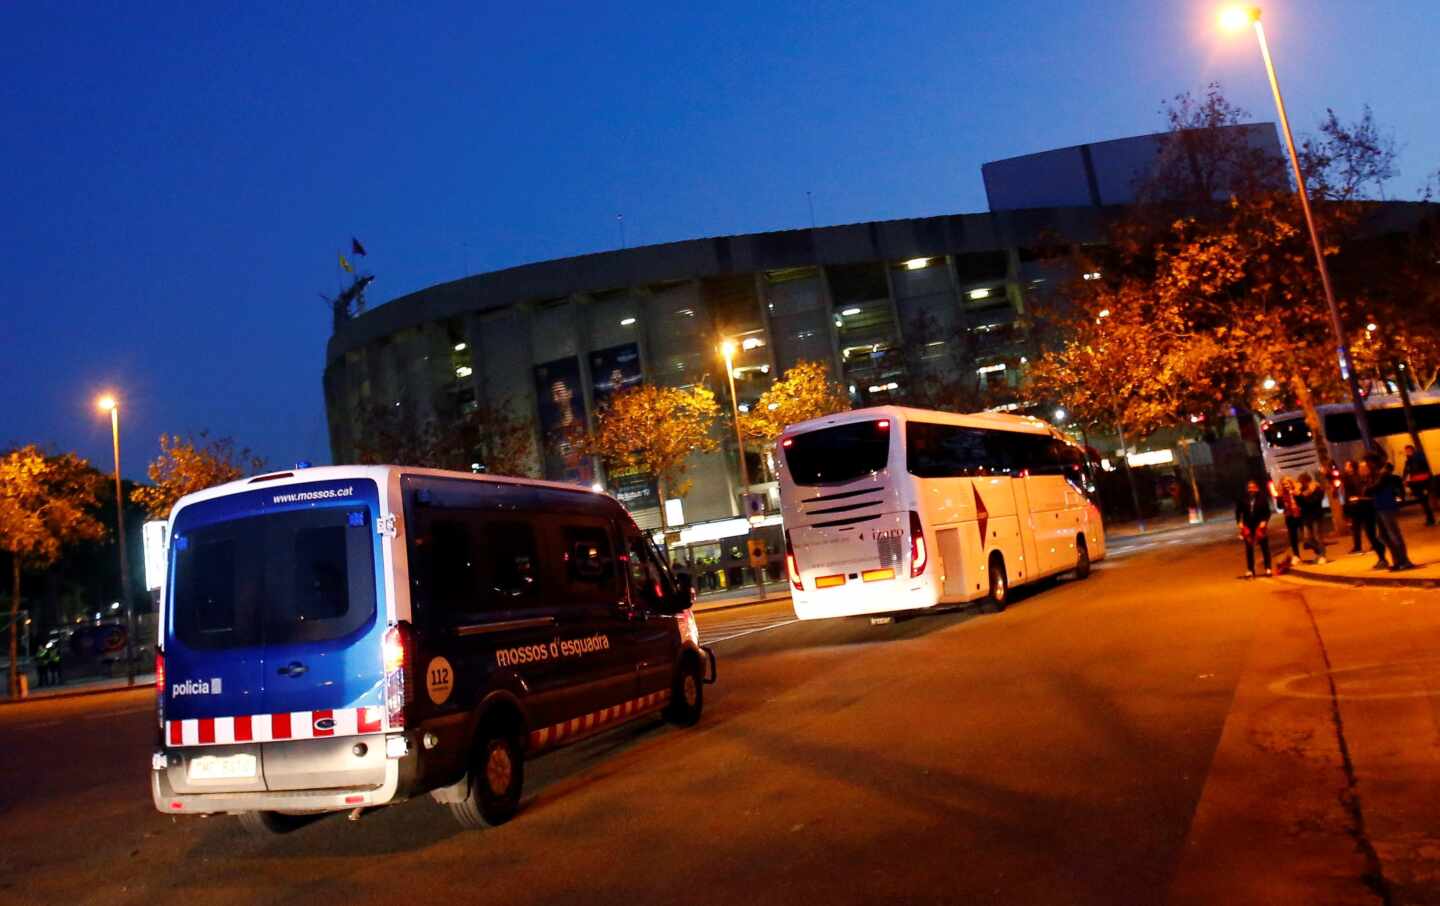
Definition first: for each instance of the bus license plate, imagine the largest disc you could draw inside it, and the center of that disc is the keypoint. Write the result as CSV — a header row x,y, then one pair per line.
x,y
222,767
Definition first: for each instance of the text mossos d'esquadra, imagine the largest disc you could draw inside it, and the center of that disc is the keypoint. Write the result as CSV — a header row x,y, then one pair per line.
x,y
556,649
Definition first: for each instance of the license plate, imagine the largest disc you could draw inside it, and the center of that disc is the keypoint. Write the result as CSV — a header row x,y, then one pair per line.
x,y
222,767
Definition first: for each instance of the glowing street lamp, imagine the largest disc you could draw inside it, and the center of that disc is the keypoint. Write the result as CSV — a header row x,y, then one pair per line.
x,y
108,403
728,350
1236,18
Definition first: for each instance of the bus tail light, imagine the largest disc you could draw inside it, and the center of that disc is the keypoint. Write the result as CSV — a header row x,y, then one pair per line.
x,y
160,687
791,566
918,554
398,688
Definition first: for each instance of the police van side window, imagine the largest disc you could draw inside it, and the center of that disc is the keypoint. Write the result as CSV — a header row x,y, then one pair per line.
x,y
513,563
649,583
589,558
444,573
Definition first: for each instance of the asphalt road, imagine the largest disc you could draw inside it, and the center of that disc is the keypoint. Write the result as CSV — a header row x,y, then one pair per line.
x,y
1052,753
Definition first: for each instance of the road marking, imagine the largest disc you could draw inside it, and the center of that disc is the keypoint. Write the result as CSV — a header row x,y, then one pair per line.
x,y
747,632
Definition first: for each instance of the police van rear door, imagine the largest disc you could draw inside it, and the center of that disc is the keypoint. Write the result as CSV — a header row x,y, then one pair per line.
x,y
275,610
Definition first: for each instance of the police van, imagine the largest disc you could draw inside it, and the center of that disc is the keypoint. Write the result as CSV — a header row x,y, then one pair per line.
x,y
339,638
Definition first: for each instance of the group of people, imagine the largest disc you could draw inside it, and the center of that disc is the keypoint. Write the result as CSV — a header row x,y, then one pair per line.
x,y
1372,492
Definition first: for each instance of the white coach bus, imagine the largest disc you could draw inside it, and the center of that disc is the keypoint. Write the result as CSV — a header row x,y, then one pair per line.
x,y
892,509
1289,447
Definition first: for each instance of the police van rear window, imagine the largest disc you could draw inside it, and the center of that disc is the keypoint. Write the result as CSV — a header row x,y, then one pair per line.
x,y
279,578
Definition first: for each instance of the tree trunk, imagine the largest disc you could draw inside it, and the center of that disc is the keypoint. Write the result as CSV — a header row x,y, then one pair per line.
x,y
1130,474
14,627
1322,451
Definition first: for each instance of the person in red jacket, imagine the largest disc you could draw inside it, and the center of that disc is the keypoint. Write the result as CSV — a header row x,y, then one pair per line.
x,y
1252,520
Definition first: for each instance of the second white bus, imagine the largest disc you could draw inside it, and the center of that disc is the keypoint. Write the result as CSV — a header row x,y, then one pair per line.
x,y
1289,447
892,509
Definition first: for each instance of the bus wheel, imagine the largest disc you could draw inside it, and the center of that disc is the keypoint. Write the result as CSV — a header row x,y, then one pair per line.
x,y
268,824
497,774
1082,559
999,584
687,695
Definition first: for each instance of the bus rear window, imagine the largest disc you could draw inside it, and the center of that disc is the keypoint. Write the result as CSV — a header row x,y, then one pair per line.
x,y
1292,432
839,454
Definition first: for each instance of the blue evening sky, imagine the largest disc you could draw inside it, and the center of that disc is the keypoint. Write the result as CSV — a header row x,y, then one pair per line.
x,y
175,180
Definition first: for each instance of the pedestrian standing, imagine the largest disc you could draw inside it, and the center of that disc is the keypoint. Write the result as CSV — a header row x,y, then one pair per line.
x,y
1350,492
1311,497
1418,479
1366,475
1388,491
1252,519
1290,505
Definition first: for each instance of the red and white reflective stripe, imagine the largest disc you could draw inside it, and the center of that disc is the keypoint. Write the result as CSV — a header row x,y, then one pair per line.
x,y
578,726
222,731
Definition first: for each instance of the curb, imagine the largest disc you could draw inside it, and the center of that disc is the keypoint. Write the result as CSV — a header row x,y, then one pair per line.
x,y
1371,581
749,602
78,693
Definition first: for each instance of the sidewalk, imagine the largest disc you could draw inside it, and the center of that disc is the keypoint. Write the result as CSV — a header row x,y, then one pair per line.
x,y
742,597
1422,541
83,687
1325,784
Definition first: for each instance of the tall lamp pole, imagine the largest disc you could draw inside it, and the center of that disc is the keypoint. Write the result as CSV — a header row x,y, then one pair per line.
x,y
109,404
727,349
1236,18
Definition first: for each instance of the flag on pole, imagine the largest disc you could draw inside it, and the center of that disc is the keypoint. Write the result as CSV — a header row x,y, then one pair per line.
x,y
355,247
346,264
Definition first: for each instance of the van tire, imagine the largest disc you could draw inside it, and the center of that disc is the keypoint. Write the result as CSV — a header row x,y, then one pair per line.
x,y
687,694
497,776
269,824
1082,559
999,594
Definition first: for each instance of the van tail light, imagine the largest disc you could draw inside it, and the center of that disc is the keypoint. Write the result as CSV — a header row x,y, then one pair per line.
x,y
160,687
399,691
919,556
791,566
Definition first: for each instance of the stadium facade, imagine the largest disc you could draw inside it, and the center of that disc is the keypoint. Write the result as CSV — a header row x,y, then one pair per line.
x,y
893,308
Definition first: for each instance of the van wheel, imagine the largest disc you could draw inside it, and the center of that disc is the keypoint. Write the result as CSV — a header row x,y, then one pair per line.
x,y
687,695
268,824
1082,559
497,774
999,584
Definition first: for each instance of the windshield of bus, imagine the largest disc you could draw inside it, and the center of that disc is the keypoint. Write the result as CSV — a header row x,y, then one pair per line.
x,y
1290,432
839,454
278,578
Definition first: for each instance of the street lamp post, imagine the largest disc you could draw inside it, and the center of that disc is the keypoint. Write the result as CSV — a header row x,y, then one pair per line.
x,y
727,349
1236,18
109,404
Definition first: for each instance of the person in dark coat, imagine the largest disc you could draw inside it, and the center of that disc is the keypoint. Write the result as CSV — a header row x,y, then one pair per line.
x,y
1416,475
1387,490
1311,497
1252,520
1362,508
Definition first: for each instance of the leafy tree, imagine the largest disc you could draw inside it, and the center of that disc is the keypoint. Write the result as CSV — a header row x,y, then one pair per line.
x,y
46,503
656,429
494,436
805,391
189,464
